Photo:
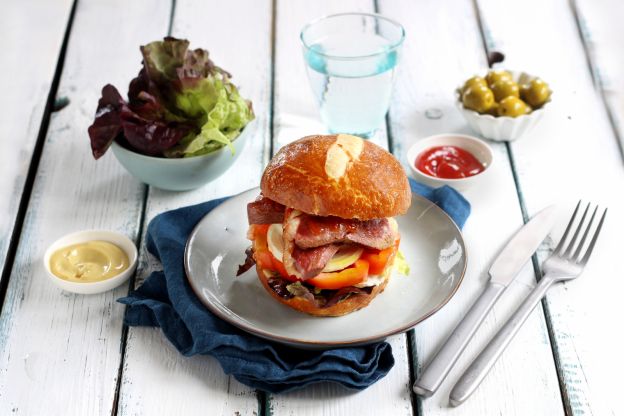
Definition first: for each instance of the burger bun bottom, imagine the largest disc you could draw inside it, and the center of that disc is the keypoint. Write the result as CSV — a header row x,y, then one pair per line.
x,y
343,307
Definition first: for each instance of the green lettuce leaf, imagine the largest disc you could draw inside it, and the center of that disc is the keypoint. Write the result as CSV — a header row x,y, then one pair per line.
x,y
400,264
179,105
297,289
161,59
198,90
220,112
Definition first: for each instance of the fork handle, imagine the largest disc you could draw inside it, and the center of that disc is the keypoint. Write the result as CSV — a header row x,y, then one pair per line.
x,y
480,367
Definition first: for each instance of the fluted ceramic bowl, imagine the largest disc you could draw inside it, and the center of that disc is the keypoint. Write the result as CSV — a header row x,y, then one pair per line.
x,y
90,288
181,174
477,147
503,128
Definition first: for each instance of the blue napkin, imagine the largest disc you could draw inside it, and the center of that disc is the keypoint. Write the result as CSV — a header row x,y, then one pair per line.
x,y
166,300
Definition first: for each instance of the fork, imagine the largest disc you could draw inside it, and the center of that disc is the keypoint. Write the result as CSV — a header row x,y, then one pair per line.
x,y
565,263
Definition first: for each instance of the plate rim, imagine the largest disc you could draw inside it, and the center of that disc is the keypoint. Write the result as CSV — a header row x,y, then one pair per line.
x,y
319,344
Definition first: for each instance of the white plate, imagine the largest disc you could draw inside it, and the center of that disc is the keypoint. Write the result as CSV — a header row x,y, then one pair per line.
x,y
430,241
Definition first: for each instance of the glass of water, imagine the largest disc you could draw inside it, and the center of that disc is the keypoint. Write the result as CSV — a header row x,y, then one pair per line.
x,y
351,61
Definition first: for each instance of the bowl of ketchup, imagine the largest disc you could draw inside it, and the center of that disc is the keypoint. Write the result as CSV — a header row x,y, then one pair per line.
x,y
451,159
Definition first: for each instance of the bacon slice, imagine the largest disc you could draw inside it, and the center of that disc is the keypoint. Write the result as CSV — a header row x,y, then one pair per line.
x,y
265,211
311,241
303,264
310,262
316,231
375,233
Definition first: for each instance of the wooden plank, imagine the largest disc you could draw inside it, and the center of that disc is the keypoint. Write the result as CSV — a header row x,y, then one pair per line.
x,y
602,33
32,34
238,36
443,48
573,154
296,115
60,348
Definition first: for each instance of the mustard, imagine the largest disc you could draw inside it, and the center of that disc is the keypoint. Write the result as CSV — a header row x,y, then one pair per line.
x,y
89,262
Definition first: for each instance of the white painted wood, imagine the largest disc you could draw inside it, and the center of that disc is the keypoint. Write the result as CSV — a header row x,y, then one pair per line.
x,y
443,48
32,34
59,352
601,28
389,396
572,155
296,115
157,379
295,110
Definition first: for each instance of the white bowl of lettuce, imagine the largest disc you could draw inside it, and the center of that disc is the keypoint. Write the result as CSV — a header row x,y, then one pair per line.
x,y
184,123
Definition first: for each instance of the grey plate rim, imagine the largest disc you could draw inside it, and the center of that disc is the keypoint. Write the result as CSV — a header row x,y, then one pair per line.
x,y
306,344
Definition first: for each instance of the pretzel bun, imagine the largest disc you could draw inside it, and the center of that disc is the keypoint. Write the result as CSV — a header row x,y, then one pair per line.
x,y
339,175
343,307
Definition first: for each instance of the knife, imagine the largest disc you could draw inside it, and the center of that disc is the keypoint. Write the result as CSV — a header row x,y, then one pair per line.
x,y
506,266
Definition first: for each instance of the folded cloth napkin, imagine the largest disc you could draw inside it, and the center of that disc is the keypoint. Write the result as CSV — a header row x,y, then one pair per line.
x,y
166,300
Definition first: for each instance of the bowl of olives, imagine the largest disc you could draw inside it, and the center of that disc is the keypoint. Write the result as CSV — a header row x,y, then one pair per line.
x,y
503,105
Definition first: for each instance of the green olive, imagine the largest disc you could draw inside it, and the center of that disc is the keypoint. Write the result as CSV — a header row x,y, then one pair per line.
x,y
512,107
535,93
505,88
476,80
478,98
497,75
493,111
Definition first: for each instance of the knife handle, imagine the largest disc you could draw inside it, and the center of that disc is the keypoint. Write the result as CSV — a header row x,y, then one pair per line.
x,y
481,366
437,370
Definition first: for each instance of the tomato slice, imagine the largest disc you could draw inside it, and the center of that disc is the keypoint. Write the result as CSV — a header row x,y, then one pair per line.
x,y
260,230
279,267
263,258
379,258
347,277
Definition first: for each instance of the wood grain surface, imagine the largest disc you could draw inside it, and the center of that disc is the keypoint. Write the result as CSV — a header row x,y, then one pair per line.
x,y
32,34
59,352
572,155
69,354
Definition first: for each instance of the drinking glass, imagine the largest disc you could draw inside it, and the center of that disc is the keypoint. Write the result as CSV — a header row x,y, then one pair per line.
x,y
351,62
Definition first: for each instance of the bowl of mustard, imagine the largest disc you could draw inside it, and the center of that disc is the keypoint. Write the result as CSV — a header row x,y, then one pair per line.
x,y
91,261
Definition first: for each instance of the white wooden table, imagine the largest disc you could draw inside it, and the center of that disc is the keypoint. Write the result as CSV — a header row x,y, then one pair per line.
x,y
64,354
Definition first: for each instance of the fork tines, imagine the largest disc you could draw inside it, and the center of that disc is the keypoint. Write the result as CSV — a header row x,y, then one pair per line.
x,y
561,249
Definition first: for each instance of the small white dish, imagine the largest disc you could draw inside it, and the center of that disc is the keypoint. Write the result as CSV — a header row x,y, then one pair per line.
x,y
502,129
433,248
89,288
479,149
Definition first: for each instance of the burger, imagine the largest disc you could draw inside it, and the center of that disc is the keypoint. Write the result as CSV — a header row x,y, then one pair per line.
x,y
323,235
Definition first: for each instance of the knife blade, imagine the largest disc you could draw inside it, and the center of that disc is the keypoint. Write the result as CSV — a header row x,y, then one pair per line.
x,y
503,270
522,246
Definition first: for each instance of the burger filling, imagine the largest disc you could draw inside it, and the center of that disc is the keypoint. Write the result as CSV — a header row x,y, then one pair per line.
x,y
325,259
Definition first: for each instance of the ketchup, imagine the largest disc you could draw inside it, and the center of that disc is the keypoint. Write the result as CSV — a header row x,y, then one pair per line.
x,y
448,162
